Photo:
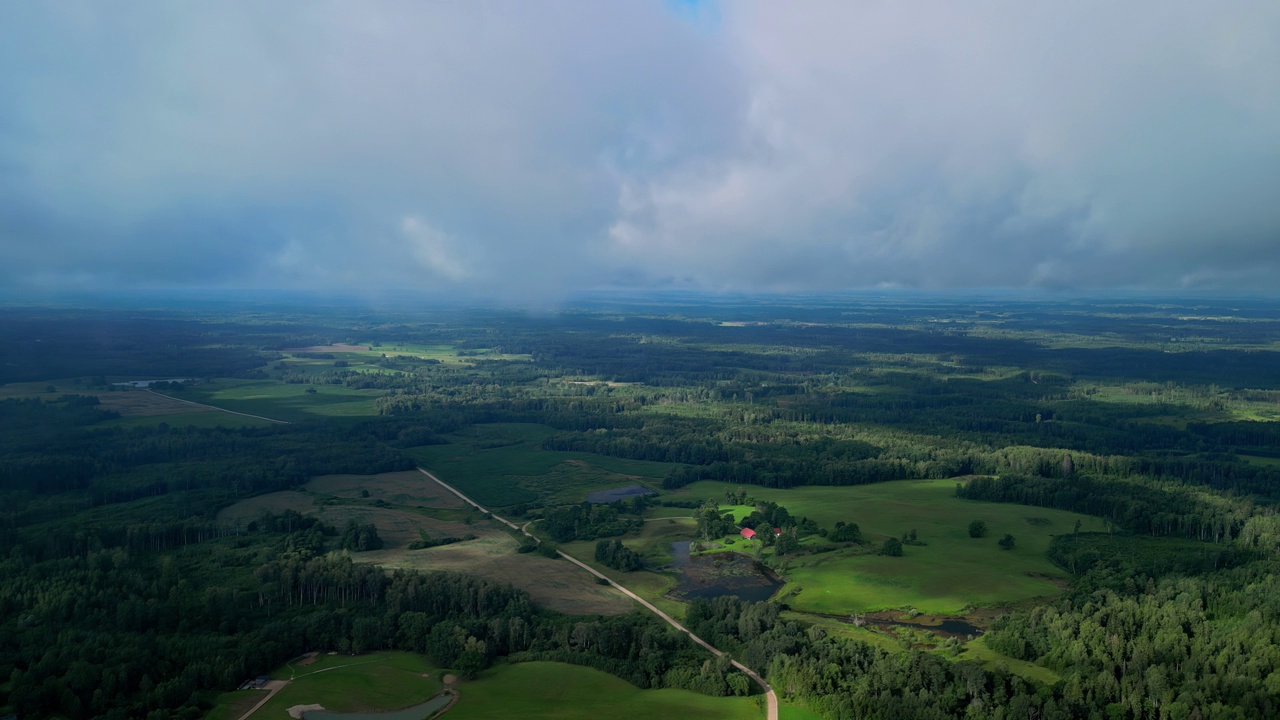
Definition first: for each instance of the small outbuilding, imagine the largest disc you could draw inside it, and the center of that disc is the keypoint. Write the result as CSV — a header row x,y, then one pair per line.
x,y
748,533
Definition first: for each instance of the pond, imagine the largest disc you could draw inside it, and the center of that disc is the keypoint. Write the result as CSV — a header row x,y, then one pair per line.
x,y
417,712
720,574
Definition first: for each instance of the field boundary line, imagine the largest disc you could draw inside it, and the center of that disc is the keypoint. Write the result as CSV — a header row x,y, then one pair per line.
x,y
215,407
771,697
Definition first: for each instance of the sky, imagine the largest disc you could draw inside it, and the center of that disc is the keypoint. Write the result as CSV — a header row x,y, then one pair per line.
x,y
530,150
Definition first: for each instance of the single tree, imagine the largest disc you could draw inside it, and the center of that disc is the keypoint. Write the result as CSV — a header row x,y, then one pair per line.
x,y
978,529
1006,542
787,543
892,547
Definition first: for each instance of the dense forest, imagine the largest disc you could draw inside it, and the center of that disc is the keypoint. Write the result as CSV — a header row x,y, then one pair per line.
x,y
123,596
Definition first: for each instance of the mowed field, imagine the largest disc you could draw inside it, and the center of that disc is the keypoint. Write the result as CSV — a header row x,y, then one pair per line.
x,y
950,573
557,691
344,683
503,464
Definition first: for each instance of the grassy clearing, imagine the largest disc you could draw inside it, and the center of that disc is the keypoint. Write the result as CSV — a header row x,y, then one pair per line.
x,y
344,683
502,464
137,407
977,650
654,543
442,353
949,574
396,527
276,502
557,691
654,539
1260,460
554,584
281,401
403,488
870,634
135,403
40,389
1185,403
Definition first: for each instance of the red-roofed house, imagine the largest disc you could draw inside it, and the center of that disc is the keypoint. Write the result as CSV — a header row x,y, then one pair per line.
x,y
748,533
777,531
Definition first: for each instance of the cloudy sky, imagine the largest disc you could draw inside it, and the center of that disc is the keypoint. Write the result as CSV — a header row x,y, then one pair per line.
x,y
513,149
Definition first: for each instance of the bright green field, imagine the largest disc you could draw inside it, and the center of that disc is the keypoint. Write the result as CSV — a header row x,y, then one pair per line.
x,y
281,401
558,691
952,572
502,464
378,681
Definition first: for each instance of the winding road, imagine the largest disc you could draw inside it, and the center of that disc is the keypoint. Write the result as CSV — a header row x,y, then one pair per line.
x,y
771,697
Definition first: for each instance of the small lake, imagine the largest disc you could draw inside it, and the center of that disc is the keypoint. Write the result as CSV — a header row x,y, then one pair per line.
x,y
417,712
720,574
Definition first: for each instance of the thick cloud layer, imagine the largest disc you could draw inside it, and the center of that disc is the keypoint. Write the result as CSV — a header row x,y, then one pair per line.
x,y
521,149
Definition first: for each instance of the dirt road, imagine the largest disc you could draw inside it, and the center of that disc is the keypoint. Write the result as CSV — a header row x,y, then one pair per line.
x,y
273,687
770,697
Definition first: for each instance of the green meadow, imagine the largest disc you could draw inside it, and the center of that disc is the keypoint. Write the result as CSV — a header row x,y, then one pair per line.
x,y
281,401
343,683
556,691
948,574
504,464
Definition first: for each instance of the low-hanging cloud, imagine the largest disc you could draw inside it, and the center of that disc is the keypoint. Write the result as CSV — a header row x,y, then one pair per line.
x,y
519,149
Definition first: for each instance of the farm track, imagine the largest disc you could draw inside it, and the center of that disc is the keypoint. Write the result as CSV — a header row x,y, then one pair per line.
x,y
213,407
770,696
273,687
